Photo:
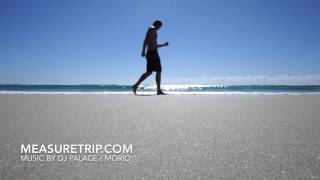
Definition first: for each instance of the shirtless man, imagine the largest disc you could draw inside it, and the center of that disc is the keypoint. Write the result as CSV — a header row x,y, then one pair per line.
x,y
152,56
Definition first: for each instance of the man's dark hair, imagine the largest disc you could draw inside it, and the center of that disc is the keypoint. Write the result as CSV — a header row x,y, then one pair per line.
x,y
157,23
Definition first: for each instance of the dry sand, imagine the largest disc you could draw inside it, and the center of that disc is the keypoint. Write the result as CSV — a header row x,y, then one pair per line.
x,y
173,137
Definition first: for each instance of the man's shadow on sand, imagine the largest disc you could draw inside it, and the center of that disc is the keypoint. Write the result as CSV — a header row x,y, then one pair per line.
x,y
149,95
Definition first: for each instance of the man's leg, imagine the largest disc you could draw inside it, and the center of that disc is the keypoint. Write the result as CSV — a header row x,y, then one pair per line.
x,y
158,80
142,78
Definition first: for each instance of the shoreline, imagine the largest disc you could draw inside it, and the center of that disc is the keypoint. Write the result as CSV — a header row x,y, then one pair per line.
x,y
154,93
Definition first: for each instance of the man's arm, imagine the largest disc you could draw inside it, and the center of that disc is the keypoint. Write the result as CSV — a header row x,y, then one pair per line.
x,y
163,45
146,39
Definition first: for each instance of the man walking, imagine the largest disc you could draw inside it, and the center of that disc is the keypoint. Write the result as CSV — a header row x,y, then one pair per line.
x,y
152,56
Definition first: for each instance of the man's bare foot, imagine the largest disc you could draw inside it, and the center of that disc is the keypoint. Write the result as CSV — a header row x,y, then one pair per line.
x,y
159,92
134,89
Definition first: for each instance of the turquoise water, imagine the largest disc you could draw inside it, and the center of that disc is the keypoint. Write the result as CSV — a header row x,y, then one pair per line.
x,y
150,89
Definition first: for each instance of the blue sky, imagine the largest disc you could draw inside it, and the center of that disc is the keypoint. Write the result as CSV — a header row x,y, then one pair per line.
x,y
86,42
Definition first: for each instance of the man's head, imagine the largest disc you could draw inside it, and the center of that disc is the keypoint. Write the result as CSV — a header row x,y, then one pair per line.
x,y
157,24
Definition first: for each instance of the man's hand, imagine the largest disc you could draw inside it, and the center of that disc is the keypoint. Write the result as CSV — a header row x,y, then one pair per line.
x,y
163,45
143,54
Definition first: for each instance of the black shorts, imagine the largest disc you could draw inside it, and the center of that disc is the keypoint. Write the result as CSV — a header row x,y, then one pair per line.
x,y
153,61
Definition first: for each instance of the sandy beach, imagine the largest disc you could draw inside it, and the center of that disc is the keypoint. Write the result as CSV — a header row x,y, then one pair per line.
x,y
173,136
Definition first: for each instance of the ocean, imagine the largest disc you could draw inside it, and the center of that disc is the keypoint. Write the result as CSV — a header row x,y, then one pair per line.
x,y
151,89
